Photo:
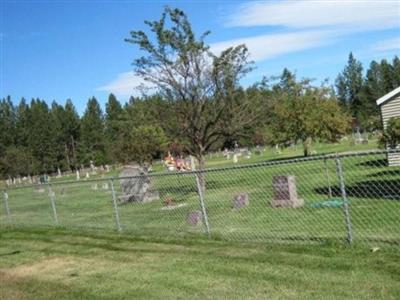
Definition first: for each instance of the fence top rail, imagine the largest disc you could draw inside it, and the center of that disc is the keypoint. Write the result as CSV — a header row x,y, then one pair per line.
x,y
275,162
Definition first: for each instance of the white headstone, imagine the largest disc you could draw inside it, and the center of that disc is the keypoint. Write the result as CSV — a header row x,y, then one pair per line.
x,y
235,159
77,175
105,185
192,163
59,173
92,167
87,175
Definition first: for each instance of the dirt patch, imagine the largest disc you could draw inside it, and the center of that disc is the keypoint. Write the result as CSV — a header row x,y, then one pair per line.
x,y
52,268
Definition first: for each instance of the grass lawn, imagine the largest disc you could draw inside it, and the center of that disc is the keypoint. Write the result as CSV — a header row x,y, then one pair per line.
x,y
60,264
373,191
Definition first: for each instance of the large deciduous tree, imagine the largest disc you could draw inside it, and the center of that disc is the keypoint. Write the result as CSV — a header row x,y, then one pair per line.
x,y
201,86
305,113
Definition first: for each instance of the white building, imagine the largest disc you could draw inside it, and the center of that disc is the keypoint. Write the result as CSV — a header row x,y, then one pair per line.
x,y
390,107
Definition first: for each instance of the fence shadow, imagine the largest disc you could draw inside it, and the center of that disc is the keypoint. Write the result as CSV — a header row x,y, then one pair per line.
x,y
381,162
385,173
388,189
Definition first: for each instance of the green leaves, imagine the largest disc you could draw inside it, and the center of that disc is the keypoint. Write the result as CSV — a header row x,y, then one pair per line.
x,y
202,87
391,135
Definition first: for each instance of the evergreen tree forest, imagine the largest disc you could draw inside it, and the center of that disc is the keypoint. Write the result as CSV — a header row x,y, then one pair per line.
x,y
38,138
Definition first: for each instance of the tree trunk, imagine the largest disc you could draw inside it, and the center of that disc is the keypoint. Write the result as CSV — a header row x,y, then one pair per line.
x,y
307,146
67,156
73,151
201,175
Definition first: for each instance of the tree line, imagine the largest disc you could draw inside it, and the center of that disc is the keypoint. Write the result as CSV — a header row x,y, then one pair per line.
x,y
37,138
358,93
199,106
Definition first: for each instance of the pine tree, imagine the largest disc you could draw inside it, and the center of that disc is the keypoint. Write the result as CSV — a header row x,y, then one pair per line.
x,y
349,84
42,139
7,124
396,71
71,127
22,125
113,115
92,133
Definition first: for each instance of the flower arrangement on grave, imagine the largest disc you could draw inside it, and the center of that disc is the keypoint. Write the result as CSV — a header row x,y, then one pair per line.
x,y
168,201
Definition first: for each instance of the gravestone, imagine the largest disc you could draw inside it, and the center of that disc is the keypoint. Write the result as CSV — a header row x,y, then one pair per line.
x,y
77,175
235,158
240,200
285,192
105,186
59,174
92,167
136,186
277,149
194,218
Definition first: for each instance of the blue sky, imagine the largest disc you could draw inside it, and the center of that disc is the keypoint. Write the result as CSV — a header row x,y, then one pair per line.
x,y
76,49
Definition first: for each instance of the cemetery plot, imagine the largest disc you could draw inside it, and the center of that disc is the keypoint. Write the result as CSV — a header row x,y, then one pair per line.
x,y
240,202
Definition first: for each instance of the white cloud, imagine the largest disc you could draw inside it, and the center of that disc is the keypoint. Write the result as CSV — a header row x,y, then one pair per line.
x,y
271,45
387,45
351,14
310,24
124,85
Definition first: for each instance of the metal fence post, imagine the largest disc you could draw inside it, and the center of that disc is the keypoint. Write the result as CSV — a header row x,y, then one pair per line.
x,y
327,178
7,208
346,210
203,205
116,213
52,196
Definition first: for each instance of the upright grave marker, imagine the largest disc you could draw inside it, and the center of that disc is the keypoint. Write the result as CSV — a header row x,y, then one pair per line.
x,y
285,192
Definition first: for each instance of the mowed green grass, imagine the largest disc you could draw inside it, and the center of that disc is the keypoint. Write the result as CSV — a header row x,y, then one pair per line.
x,y
60,264
373,191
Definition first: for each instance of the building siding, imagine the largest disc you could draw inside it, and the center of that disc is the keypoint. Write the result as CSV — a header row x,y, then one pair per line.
x,y
389,110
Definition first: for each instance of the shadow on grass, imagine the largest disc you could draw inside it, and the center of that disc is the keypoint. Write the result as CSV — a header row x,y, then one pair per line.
x,y
385,173
381,162
376,189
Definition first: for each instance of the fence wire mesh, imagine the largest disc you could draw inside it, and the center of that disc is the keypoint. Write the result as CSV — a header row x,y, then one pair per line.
x,y
353,197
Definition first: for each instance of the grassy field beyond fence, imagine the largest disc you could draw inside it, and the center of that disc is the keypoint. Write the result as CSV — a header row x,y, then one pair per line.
x,y
373,191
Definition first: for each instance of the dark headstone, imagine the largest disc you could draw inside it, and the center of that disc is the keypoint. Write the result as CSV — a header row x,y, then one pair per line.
x,y
240,200
285,192
194,218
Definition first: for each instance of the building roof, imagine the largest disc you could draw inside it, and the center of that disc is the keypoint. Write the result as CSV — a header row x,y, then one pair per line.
x,y
388,96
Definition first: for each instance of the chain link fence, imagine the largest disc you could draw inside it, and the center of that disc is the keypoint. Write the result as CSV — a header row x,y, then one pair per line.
x,y
347,197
